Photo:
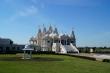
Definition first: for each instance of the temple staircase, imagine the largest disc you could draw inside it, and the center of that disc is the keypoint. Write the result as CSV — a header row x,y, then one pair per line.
x,y
59,48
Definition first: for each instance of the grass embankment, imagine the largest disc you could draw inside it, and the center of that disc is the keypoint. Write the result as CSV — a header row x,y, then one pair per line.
x,y
51,64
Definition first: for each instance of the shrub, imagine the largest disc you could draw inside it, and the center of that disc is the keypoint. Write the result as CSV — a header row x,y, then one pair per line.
x,y
106,60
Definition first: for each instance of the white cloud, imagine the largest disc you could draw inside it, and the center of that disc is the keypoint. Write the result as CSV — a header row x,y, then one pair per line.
x,y
28,11
25,12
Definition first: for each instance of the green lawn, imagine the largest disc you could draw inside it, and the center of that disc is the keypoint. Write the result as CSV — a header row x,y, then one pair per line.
x,y
51,64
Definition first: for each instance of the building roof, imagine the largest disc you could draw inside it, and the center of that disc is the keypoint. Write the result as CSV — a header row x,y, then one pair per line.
x,y
5,41
30,49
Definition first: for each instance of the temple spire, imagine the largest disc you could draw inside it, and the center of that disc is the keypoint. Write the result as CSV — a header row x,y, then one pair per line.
x,y
50,29
44,29
72,34
56,31
39,31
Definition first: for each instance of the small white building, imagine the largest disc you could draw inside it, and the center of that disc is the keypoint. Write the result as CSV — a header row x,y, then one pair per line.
x,y
50,40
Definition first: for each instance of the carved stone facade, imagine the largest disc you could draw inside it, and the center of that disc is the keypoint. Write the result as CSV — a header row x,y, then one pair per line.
x,y
46,38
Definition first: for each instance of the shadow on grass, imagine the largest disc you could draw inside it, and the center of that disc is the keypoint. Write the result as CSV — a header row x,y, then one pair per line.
x,y
36,59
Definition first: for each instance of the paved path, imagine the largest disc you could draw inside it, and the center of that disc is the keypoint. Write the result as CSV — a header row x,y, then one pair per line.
x,y
94,55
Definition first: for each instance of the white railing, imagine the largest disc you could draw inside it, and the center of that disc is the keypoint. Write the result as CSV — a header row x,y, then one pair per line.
x,y
54,47
75,49
63,49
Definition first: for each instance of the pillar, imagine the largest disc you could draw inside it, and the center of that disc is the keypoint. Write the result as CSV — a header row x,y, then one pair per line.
x,y
30,54
60,40
66,42
24,54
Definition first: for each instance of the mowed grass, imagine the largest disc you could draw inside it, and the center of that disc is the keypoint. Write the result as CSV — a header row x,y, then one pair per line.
x,y
51,64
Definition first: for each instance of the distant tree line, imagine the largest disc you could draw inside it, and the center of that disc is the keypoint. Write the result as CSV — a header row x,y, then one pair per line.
x,y
95,49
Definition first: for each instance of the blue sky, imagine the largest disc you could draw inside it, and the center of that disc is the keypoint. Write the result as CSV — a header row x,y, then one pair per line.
x,y
90,19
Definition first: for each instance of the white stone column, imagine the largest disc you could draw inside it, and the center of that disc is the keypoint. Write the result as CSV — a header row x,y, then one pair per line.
x,y
66,41
33,42
60,40
30,54
24,54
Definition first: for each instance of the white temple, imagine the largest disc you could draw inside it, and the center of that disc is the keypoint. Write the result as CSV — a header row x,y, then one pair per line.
x,y
51,40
